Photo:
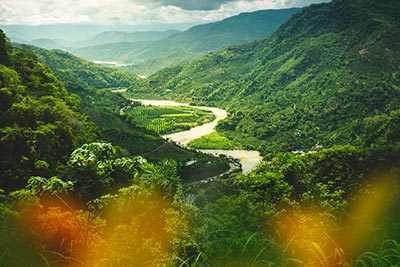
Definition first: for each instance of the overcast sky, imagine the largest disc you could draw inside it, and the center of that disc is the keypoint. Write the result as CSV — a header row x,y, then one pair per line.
x,y
132,12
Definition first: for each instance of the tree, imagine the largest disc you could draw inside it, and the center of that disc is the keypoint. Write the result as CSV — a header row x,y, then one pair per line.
x,y
4,49
97,169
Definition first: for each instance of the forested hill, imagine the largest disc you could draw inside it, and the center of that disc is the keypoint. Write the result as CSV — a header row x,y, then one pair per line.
x,y
41,123
240,29
330,75
88,81
78,74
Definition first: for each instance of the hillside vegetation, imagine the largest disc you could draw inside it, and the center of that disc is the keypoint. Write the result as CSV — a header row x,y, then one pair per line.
x,y
328,76
78,73
41,123
325,85
195,41
88,81
51,166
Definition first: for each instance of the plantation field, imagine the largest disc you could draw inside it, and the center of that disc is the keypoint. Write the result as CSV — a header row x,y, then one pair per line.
x,y
166,120
214,141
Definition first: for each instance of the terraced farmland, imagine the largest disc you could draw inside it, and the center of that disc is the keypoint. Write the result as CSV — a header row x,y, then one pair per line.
x,y
166,120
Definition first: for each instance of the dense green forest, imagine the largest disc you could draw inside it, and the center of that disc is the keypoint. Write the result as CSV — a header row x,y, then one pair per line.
x,y
104,108
40,122
78,73
326,82
321,79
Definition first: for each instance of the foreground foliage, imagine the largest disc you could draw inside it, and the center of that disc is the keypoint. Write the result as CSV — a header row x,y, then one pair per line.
x,y
293,211
322,209
142,224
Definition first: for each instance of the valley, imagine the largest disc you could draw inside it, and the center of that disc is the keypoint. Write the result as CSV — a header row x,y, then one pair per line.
x,y
248,159
218,135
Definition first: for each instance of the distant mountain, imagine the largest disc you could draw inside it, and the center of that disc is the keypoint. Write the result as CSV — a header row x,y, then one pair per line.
x,y
46,43
240,29
330,75
201,39
117,52
150,66
105,38
14,39
80,32
110,37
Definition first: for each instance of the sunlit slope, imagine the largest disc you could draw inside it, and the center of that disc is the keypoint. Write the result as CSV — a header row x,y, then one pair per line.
x,y
311,83
77,73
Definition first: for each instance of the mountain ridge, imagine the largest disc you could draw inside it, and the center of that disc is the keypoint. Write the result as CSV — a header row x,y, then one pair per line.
x,y
109,37
306,84
200,39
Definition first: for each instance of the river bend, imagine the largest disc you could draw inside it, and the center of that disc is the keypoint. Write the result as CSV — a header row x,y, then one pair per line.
x,y
248,158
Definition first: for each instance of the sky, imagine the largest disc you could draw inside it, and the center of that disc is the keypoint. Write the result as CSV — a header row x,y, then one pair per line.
x,y
132,12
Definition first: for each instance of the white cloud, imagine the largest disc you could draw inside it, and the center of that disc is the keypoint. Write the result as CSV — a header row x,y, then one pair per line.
x,y
134,12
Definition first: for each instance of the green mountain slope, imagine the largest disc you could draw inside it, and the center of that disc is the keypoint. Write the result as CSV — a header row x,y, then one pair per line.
x,y
40,122
78,73
87,80
198,40
243,28
103,107
319,76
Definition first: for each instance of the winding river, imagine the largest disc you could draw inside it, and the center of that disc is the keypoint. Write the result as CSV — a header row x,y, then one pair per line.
x,y
248,158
